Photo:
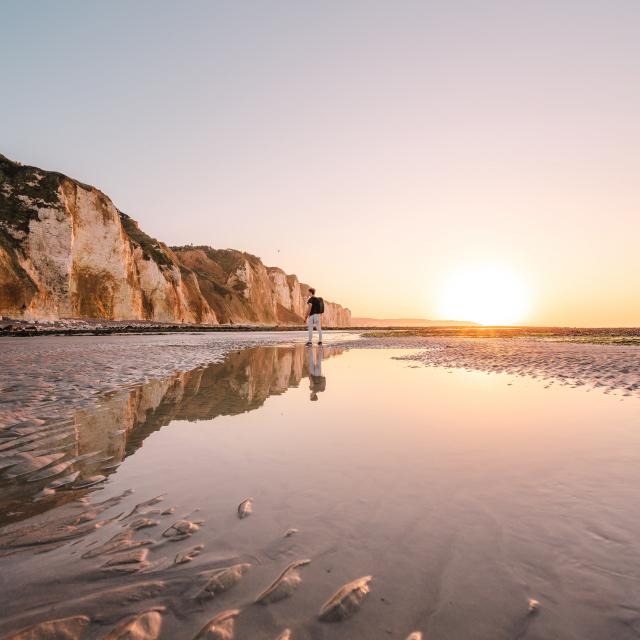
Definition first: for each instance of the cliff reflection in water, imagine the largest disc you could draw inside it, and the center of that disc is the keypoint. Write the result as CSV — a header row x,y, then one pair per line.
x,y
60,460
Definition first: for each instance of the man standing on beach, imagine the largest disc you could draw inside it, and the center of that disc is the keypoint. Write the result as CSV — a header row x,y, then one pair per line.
x,y
315,309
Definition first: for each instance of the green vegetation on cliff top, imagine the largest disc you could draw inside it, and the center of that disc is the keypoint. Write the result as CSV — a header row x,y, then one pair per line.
x,y
24,190
230,260
152,249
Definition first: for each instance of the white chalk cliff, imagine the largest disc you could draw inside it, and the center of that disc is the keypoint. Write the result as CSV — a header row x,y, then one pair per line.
x,y
67,252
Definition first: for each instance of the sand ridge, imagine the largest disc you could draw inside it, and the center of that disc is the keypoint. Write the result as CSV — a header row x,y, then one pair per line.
x,y
608,368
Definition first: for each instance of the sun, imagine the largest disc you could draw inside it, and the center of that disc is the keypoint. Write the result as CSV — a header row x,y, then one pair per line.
x,y
487,295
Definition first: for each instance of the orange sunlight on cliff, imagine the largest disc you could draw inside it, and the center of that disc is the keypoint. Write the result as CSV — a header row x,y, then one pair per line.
x,y
488,295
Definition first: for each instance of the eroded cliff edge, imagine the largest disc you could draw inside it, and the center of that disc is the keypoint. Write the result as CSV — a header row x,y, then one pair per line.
x,y
67,252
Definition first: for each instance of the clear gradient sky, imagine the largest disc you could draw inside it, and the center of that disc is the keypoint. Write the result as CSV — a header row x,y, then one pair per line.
x,y
373,148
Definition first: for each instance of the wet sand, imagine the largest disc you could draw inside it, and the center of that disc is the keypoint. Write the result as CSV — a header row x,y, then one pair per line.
x,y
609,368
481,506
48,376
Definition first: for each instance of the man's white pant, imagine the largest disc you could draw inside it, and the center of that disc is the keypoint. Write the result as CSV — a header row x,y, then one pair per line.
x,y
314,358
314,323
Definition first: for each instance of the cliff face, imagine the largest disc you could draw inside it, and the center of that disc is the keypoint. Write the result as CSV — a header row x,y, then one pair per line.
x,y
239,288
335,315
66,251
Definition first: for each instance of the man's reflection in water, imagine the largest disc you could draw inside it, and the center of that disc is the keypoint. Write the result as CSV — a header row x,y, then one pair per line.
x,y
317,382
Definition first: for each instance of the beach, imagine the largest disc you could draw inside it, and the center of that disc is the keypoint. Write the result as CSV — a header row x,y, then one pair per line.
x,y
479,487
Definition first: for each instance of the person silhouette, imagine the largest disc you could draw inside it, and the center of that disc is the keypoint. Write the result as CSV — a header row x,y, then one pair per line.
x,y
313,316
317,382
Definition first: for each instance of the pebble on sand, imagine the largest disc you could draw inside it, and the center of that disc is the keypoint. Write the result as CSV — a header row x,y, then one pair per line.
x,y
245,508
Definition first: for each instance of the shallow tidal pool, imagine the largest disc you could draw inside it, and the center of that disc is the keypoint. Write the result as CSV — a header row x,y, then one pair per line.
x,y
482,506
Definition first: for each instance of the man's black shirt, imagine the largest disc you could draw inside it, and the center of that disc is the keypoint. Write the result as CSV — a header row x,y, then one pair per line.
x,y
315,304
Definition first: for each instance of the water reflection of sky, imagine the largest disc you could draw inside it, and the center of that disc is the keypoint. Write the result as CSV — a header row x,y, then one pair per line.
x,y
462,493
45,464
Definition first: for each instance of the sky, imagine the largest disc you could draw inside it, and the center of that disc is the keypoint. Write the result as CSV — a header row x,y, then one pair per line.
x,y
379,150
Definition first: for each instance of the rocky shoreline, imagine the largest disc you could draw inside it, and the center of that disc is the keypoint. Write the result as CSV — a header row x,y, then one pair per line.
x,y
25,328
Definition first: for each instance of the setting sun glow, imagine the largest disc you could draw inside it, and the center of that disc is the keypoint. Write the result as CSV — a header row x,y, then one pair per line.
x,y
490,296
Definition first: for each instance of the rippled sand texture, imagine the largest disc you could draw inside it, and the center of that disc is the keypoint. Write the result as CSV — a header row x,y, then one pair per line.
x,y
42,463
609,368
276,496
